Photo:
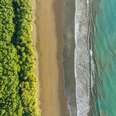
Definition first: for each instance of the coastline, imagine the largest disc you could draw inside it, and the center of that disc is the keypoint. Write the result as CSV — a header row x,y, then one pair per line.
x,y
49,47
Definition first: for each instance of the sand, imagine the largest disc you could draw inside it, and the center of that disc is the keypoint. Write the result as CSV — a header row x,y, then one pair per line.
x,y
48,20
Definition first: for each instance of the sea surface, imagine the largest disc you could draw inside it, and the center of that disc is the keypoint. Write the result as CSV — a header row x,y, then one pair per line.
x,y
104,55
96,90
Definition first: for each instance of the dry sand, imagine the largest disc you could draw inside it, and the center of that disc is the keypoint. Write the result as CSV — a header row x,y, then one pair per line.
x,y
48,20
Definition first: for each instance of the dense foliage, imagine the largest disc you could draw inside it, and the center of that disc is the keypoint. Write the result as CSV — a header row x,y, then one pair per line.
x,y
18,82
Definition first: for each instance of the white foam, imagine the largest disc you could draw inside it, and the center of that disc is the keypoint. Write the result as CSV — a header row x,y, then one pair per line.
x,y
81,59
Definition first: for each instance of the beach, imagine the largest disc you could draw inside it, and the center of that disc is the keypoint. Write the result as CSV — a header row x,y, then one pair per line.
x,y
75,43
49,43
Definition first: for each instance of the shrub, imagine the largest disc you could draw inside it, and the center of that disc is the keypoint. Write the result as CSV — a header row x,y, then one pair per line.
x,y
9,68
23,43
18,82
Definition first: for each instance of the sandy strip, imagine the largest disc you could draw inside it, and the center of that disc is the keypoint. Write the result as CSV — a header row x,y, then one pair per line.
x,y
49,35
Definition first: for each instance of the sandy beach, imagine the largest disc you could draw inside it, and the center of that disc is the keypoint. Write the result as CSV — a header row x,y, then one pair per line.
x,y
49,39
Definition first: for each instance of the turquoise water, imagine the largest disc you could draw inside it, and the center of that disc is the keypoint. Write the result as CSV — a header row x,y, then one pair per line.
x,y
105,58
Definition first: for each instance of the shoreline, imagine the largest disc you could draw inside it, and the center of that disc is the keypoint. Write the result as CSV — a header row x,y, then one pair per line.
x,y
53,101
60,50
68,55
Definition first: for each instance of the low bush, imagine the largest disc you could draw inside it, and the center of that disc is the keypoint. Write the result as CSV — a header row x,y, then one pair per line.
x,y
23,43
9,67
18,82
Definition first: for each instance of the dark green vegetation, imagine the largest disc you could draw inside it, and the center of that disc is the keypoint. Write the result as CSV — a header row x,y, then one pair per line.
x,y
18,82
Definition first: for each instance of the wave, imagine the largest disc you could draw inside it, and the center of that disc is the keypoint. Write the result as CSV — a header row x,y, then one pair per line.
x,y
82,57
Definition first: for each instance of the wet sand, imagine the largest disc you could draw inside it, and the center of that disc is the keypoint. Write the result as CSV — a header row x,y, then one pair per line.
x,y
68,55
48,20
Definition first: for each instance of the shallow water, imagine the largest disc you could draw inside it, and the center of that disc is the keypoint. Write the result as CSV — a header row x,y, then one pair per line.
x,y
104,48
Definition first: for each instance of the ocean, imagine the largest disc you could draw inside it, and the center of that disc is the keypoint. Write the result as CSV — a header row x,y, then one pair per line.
x,y
95,40
104,50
